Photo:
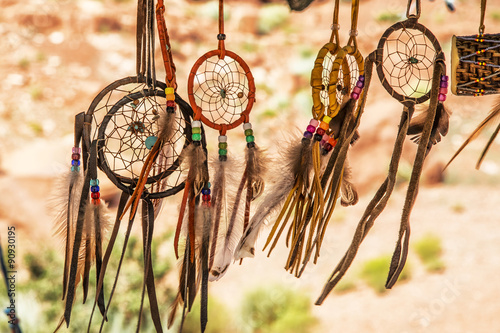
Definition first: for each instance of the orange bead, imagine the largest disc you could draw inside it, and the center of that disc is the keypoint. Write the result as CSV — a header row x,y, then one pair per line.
x,y
324,126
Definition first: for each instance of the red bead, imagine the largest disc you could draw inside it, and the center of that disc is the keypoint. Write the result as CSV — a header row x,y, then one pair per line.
x,y
356,90
320,131
332,142
95,195
443,90
206,197
75,156
354,96
96,201
170,103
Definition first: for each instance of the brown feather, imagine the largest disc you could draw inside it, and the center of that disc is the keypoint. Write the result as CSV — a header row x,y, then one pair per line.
x,y
349,194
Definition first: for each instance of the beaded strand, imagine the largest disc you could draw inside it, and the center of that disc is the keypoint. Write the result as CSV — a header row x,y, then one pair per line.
x,y
222,148
94,191
249,135
205,191
75,155
170,95
443,88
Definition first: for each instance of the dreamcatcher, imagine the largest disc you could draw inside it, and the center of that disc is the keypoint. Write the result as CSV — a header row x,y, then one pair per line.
x,y
475,71
221,91
307,188
134,133
411,67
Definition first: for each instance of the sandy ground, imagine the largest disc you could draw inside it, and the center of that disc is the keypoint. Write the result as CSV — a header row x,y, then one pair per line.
x,y
57,56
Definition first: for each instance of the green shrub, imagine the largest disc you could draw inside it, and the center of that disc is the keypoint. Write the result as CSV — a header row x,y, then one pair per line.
x,y
219,318
429,250
271,17
374,272
277,310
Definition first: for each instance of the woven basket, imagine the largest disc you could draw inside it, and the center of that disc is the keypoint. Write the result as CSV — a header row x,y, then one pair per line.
x,y
475,65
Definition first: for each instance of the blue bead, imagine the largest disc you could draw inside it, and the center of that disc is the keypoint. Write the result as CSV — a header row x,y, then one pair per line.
x,y
75,162
94,188
94,182
75,168
205,191
150,142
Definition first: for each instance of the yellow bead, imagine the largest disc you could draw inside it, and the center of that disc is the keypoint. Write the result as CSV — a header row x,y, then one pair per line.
x,y
327,119
169,90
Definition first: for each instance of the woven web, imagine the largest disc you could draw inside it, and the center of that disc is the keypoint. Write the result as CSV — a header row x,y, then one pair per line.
x,y
110,98
125,148
325,76
221,90
408,62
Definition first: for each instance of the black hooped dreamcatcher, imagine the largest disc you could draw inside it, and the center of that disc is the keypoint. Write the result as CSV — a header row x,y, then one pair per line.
x,y
411,66
134,133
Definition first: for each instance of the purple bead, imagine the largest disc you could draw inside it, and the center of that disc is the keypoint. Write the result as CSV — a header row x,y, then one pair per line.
x,y
360,84
354,96
442,97
311,129
314,122
356,90
308,135
361,78
76,150
443,84
444,78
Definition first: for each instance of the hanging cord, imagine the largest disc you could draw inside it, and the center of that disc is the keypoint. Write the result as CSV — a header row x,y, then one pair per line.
x,y
221,36
354,24
335,23
483,11
140,38
14,327
408,9
150,36
166,50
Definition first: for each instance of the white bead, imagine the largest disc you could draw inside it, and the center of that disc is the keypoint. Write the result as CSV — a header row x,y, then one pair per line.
x,y
247,126
196,123
222,138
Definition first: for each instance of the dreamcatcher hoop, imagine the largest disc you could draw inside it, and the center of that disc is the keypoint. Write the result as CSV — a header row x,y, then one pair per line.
x,y
128,183
394,45
246,94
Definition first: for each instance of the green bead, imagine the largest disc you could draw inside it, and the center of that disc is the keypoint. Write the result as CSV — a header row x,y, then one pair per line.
x,y
249,132
196,137
222,151
222,145
250,138
196,130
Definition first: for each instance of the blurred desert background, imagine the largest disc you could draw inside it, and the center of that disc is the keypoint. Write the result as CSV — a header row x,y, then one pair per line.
x,y
56,55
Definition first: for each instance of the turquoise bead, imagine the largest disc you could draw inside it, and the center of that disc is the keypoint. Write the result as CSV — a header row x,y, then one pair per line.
x,y
196,137
250,138
150,142
222,151
94,182
75,168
